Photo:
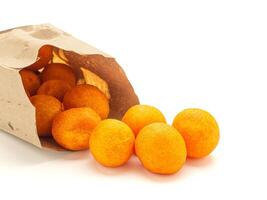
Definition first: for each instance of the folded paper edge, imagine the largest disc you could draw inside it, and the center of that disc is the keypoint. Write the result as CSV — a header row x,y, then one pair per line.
x,y
30,38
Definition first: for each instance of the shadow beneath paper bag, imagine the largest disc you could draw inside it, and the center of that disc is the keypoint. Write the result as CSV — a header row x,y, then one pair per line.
x,y
19,153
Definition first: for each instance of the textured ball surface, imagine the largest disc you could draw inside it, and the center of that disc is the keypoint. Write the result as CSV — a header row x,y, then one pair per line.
x,y
87,96
30,81
58,71
55,88
72,128
199,130
138,116
160,148
47,107
112,143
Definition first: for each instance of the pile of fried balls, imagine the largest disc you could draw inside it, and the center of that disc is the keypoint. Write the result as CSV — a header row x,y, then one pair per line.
x,y
76,116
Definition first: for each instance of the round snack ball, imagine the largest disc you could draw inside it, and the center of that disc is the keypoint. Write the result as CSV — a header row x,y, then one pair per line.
x,y
87,96
200,131
72,128
55,88
58,71
160,148
30,81
112,143
47,107
45,54
138,116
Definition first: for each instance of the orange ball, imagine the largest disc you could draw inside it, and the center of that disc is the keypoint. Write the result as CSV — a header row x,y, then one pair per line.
x,y
55,88
72,128
200,131
58,71
160,148
30,81
138,116
87,96
47,107
112,143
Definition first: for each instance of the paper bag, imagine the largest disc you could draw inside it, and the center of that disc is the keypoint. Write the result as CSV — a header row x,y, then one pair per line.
x,y
19,48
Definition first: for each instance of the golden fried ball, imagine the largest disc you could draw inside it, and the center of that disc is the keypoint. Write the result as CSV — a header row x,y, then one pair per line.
x,y
112,143
138,116
55,88
200,131
72,128
87,96
47,107
30,81
160,148
58,71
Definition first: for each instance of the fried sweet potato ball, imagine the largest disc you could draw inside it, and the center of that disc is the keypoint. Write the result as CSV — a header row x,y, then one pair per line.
x,y
112,143
46,109
87,96
30,81
45,54
200,131
138,116
160,148
58,71
55,88
72,128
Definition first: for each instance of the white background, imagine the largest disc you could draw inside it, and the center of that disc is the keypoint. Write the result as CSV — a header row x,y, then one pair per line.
x,y
208,54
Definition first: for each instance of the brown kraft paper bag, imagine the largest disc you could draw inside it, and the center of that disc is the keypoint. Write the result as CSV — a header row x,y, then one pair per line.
x,y
19,48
